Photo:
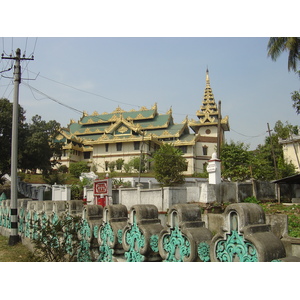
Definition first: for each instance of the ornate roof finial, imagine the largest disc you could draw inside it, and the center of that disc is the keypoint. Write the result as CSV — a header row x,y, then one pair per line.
x,y
207,77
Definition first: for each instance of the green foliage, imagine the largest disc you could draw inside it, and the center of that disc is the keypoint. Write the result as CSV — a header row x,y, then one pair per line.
x,y
277,45
284,131
235,161
135,163
119,163
77,189
6,110
111,166
127,167
55,178
39,150
294,225
63,169
201,175
169,165
79,167
35,147
292,212
251,200
57,241
296,101
119,182
239,164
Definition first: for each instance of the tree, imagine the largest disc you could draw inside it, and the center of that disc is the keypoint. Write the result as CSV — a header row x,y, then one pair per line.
x,y
296,99
169,165
277,45
6,110
235,161
240,164
119,164
79,167
136,163
39,147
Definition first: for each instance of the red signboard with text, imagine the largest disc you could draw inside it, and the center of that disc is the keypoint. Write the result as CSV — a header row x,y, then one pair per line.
x,y
102,190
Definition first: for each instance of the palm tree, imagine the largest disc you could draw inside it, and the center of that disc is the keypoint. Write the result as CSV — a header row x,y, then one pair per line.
x,y
277,45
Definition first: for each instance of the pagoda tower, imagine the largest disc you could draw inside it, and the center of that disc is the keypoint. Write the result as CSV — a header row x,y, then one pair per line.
x,y
208,113
210,126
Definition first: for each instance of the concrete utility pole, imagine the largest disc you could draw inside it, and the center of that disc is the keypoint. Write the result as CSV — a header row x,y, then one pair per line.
x,y
14,236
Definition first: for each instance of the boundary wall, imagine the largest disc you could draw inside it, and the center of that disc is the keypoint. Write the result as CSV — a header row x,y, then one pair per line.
x,y
140,233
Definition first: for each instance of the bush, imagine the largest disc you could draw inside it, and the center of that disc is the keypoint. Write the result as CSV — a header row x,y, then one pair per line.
x,y
79,167
63,169
57,241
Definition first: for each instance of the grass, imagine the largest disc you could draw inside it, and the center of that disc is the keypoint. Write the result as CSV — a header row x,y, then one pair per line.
x,y
292,211
16,253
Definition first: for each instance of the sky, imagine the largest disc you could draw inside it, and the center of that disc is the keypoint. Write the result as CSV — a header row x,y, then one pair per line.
x,y
133,60
102,73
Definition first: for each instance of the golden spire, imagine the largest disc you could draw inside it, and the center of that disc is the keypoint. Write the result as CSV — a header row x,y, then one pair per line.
x,y
208,110
207,78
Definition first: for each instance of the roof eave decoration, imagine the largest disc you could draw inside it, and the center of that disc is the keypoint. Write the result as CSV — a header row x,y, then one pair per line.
x,y
225,124
116,114
116,139
70,146
184,143
170,111
121,120
89,131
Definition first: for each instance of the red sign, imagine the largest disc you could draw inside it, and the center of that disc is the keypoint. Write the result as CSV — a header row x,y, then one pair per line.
x,y
102,187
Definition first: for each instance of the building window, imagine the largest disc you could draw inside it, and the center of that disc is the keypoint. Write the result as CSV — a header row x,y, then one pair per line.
x,y
183,149
106,165
119,146
136,145
86,155
106,147
186,166
204,149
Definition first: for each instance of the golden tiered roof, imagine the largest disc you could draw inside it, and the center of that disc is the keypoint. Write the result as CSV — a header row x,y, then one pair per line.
x,y
121,126
208,113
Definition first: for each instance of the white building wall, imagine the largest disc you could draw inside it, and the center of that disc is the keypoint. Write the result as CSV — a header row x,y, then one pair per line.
x,y
290,153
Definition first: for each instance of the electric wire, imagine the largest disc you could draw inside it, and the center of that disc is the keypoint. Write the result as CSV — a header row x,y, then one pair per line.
x,y
249,136
7,86
101,96
53,99
87,92
97,95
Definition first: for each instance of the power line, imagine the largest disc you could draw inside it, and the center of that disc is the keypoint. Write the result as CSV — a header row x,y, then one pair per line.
x,y
98,95
53,99
249,136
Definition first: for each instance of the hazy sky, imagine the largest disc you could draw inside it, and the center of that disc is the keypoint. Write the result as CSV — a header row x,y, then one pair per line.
x,y
99,74
105,54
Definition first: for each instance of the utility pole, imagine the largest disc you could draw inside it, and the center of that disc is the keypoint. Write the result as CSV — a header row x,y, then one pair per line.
x,y
272,148
14,236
